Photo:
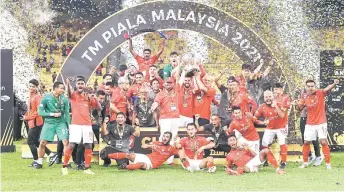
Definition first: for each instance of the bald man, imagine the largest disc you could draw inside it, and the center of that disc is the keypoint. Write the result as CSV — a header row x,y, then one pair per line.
x,y
274,119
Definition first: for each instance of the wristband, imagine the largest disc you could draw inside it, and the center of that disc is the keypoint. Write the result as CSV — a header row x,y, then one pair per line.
x,y
52,114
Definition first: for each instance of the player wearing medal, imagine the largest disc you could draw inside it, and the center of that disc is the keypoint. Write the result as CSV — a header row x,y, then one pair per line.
x,y
191,151
54,108
218,130
161,151
117,136
244,160
316,124
243,126
80,129
167,101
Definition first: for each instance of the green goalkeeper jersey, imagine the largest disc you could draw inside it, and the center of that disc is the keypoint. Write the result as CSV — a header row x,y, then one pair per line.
x,y
50,105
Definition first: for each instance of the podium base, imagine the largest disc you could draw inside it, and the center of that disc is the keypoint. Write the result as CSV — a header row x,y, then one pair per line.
x,y
8,149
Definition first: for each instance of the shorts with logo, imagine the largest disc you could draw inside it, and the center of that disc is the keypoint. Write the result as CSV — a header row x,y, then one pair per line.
x,y
50,129
269,135
312,131
254,164
78,133
194,165
141,158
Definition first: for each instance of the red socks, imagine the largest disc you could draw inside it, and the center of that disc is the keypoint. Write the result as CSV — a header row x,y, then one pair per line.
x,y
88,157
117,155
272,160
134,166
67,153
284,152
306,148
327,154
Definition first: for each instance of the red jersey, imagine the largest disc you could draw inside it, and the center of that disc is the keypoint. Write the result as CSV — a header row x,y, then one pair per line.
x,y
242,83
161,153
81,107
243,100
284,102
120,101
246,127
239,157
145,64
133,90
315,105
202,102
192,145
168,104
185,101
269,113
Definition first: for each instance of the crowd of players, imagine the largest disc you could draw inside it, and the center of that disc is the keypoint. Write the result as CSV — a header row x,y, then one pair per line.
x,y
138,96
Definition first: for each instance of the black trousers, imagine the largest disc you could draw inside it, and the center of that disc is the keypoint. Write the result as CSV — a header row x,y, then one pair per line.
x,y
315,143
108,150
225,148
33,141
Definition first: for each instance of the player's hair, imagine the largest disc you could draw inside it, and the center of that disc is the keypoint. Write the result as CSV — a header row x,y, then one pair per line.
x,y
278,85
236,108
173,53
310,81
107,74
231,135
121,113
153,81
100,92
57,84
232,79
139,73
80,78
109,83
191,124
34,82
153,66
215,115
150,51
246,66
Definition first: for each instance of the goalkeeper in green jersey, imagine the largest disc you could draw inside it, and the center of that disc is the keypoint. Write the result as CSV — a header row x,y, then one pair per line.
x,y
54,108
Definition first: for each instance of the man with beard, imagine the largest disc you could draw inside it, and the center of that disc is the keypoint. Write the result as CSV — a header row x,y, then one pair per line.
x,y
191,151
239,98
142,111
54,108
35,122
81,126
316,124
119,102
246,160
161,151
132,70
185,97
167,101
246,133
134,88
218,130
117,136
146,61
152,75
274,115
169,67
203,97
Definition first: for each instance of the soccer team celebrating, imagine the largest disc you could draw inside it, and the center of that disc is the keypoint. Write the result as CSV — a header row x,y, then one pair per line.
x,y
182,95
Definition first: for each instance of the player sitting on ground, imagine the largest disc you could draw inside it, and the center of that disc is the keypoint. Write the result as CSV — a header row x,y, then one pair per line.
x,y
161,151
191,151
246,160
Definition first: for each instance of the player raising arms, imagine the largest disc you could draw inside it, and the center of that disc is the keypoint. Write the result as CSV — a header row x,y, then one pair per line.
x,y
245,160
191,151
316,124
161,151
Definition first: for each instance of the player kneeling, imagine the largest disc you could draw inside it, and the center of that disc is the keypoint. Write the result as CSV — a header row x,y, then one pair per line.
x,y
161,151
191,151
246,160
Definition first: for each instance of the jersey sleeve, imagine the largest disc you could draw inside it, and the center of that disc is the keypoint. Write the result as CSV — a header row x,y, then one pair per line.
x,y
154,59
158,98
183,142
211,92
258,112
42,106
